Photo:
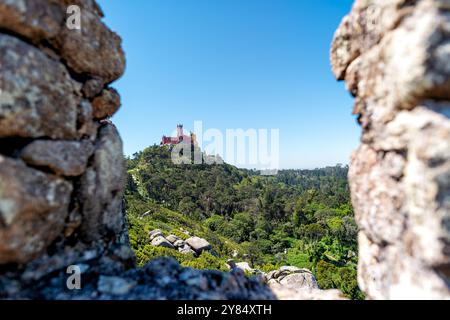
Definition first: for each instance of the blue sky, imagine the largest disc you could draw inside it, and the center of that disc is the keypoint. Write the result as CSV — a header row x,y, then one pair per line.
x,y
234,64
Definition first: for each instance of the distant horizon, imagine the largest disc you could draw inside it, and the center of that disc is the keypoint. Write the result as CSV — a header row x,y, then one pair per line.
x,y
281,169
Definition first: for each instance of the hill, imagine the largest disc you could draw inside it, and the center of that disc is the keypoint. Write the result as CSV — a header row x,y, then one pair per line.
x,y
301,218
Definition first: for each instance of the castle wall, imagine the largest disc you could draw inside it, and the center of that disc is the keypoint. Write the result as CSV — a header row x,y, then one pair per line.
x,y
394,57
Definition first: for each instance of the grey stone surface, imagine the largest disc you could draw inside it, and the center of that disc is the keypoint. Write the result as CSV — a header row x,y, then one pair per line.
x,y
198,244
155,233
67,158
394,58
33,209
160,241
172,238
37,94
102,185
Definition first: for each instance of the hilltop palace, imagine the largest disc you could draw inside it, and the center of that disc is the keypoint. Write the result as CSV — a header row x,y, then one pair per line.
x,y
181,137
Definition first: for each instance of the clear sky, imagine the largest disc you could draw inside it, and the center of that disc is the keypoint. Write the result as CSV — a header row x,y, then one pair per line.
x,y
234,64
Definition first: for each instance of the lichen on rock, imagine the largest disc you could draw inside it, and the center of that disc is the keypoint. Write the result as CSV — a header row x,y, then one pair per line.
x,y
61,168
33,209
394,58
34,89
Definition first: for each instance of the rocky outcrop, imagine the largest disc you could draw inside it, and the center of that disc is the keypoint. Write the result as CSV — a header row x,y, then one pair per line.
x,y
198,244
395,57
155,233
192,245
293,277
162,242
293,283
244,266
160,279
288,282
173,239
282,292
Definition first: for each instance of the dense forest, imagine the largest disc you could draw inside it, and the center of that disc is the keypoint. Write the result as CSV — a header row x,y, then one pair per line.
x,y
298,217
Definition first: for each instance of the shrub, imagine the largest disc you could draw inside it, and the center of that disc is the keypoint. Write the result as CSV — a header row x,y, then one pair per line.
x,y
216,223
334,223
298,259
204,261
313,231
330,276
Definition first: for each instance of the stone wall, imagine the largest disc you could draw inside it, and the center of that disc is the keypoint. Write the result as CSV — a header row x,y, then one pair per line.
x,y
61,163
395,58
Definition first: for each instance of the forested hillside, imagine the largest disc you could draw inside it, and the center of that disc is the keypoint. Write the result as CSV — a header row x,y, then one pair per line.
x,y
299,217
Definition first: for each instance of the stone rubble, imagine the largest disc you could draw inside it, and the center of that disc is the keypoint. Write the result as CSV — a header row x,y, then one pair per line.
x,y
192,245
162,242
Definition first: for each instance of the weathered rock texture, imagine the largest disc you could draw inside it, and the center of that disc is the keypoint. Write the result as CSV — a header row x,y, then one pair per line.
x,y
61,169
299,284
61,164
395,58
